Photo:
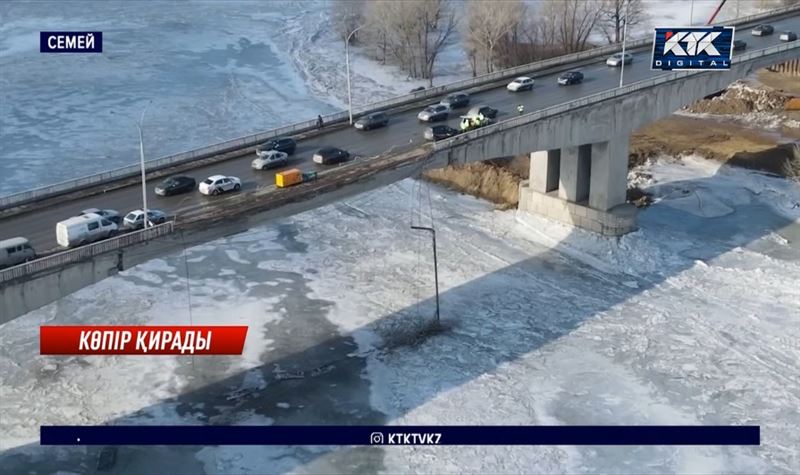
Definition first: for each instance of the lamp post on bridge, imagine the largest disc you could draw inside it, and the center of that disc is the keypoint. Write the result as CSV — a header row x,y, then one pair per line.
x,y
624,39
141,159
347,62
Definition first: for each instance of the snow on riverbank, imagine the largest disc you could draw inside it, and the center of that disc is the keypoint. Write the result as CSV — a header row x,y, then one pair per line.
x,y
692,319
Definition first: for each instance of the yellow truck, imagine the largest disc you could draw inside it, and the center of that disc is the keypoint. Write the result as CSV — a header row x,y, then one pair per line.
x,y
292,177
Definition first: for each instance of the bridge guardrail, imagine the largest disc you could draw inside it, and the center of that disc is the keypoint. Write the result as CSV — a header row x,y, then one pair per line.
x,y
16,199
594,98
84,252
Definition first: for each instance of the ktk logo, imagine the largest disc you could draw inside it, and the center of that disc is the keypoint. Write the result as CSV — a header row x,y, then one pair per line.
x,y
696,42
692,47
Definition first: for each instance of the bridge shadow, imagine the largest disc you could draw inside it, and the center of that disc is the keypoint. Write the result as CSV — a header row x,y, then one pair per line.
x,y
525,305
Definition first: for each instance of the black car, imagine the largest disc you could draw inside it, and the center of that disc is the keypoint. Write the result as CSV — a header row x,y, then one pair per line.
x,y
439,132
570,77
739,45
176,185
457,100
372,121
330,156
763,30
485,110
281,144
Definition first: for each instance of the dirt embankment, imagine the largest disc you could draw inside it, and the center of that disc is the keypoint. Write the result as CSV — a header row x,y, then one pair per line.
x,y
747,126
494,180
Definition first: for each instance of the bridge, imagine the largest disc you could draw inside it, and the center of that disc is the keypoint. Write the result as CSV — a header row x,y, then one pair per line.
x,y
577,137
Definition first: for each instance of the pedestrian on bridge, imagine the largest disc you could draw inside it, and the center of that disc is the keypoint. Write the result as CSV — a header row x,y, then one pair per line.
x,y
319,122
520,109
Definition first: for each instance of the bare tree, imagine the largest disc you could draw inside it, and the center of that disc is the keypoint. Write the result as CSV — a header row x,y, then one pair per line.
x,y
573,21
488,23
346,16
613,18
411,33
439,23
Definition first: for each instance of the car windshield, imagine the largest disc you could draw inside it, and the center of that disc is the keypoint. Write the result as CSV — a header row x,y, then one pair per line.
x,y
133,217
170,182
208,181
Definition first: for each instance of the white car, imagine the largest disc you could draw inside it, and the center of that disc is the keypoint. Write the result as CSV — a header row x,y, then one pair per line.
x,y
270,159
434,113
217,184
617,59
135,219
788,36
522,83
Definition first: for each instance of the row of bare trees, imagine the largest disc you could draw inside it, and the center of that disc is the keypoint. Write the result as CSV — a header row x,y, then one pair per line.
x,y
410,34
499,34
495,33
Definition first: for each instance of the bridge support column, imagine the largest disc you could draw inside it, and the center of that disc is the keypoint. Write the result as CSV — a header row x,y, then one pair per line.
x,y
545,170
576,164
583,186
609,177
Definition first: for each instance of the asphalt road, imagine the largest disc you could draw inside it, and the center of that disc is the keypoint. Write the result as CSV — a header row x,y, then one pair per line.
x,y
403,129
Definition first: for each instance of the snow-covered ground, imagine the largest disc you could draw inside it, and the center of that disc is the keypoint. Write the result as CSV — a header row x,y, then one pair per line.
x,y
693,319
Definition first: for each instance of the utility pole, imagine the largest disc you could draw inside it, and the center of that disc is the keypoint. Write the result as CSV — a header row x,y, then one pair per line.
x,y
435,265
347,63
624,40
141,158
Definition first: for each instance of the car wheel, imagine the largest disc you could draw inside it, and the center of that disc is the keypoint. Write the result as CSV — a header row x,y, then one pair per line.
x,y
237,187
215,192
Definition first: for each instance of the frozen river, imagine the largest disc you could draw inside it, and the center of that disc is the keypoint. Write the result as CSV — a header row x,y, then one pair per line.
x,y
212,72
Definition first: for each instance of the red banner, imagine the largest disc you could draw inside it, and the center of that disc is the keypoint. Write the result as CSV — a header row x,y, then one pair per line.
x,y
141,340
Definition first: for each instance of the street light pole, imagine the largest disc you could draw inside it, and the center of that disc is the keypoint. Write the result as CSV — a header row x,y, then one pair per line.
x,y
141,158
691,14
347,62
624,39
435,265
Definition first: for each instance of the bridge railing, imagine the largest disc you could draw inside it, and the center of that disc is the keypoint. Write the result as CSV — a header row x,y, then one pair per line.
x,y
85,252
48,191
598,97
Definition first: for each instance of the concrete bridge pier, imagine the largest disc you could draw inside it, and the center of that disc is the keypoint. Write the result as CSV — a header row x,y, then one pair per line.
x,y
582,185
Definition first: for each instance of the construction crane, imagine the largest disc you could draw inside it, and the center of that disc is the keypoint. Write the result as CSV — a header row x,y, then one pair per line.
x,y
714,15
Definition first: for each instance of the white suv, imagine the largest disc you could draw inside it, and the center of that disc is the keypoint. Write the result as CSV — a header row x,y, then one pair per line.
x,y
522,83
217,184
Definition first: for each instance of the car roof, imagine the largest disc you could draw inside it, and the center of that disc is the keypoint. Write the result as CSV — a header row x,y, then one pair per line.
x,y
17,241
522,78
80,219
328,149
216,177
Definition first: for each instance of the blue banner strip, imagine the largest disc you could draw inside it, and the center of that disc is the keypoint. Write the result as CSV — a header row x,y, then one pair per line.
x,y
400,435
